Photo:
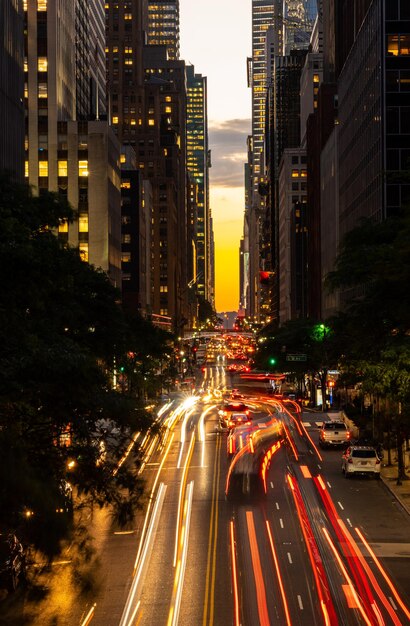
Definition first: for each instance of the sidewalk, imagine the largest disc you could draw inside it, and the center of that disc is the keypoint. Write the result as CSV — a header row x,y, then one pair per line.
x,y
400,492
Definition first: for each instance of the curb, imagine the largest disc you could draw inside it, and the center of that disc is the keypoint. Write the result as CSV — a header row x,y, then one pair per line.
x,y
396,496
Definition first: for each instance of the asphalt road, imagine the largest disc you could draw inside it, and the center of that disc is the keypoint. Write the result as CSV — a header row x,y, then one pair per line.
x,y
314,549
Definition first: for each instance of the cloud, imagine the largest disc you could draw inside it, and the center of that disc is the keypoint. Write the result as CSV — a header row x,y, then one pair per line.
x,y
227,141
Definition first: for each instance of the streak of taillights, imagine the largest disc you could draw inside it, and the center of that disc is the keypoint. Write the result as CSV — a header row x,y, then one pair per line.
x,y
126,620
385,576
322,585
278,574
183,435
237,621
352,553
257,570
266,462
151,499
182,558
148,454
89,616
182,494
295,421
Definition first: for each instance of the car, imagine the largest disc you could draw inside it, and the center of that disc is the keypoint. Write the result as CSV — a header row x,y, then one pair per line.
x,y
333,433
12,561
231,407
361,460
238,419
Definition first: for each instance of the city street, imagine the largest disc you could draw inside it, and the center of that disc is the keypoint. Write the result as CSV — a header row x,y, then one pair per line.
x,y
316,549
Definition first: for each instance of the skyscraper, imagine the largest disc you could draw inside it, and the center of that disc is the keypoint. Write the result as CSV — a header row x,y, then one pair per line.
x,y
11,88
197,165
163,26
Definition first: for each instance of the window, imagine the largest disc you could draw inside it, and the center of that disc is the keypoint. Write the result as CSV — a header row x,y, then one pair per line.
x,y
83,249
42,90
126,257
26,169
42,64
62,168
63,227
83,168
398,45
126,238
295,173
41,5
151,122
83,223
43,168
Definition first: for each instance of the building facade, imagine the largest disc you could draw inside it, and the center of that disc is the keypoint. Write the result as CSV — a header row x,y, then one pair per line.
x,y
12,88
163,26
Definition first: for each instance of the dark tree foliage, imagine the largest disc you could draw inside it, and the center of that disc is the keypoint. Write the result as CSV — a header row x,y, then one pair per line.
x,y
61,329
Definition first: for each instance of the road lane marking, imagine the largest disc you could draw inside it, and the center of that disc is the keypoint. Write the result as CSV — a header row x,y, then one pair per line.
x,y
300,603
290,558
281,523
89,616
349,522
277,505
341,505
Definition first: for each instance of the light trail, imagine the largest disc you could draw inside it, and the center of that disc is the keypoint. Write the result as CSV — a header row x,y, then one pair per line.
x,y
151,499
237,621
351,552
143,560
212,541
383,573
181,565
89,616
257,571
322,585
202,433
126,453
353,592
183,435
278,574
182,494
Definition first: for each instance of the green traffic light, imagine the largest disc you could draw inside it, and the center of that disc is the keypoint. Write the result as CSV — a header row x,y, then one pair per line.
x,y
272,360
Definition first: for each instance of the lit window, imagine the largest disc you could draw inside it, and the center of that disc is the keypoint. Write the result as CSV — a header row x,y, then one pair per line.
x,y
63,227
41,5
43,168
83,223
404,45
393,45
115,119
25,90
122,158
125,184
151,122
83,168
168,99
303,173
83,249
127,16
62,168
163,289
168,110
315,78
42,64
26,169
295,173
126,257
115,49
126,238
42,90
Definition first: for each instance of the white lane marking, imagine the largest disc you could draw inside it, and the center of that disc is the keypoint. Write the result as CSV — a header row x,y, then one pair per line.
x,y
277,505
271,485
341,505
290,557
328,484
393,603
349,522
319,466
300,603
281,523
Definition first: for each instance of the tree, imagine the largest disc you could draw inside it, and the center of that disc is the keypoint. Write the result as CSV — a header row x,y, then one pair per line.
x,y
61,328
373,267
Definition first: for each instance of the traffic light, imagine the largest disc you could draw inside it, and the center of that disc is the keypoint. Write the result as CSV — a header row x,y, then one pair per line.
x,y
272,360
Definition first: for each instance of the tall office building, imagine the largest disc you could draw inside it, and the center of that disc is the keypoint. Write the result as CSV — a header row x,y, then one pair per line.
x,y
125,24
90,59
77,159
11,88
197,165
163,26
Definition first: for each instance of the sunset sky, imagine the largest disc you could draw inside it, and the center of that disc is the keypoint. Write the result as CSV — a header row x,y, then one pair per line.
x,y
216,39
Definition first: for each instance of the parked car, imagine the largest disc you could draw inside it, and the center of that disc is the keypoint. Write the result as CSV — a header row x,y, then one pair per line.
x,y
361,460
333,433
12,561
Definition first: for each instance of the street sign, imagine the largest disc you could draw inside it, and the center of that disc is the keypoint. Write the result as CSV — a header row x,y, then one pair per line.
x,y
296,357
